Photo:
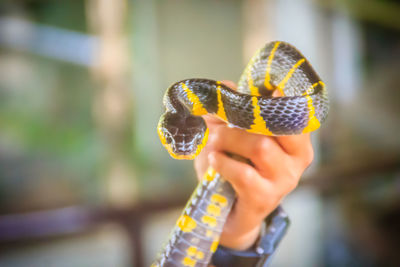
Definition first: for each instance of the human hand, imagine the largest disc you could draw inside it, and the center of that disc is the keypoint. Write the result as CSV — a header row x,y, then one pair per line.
x,y
278,163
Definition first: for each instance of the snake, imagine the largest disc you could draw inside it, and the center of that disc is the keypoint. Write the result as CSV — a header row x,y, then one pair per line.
x,y
302,105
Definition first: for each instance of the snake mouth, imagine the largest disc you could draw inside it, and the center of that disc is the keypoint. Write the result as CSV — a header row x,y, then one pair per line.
x,y
184,150
187,150
187,157
179,154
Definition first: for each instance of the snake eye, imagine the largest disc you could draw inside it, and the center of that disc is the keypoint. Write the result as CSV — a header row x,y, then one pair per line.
x,y
168,138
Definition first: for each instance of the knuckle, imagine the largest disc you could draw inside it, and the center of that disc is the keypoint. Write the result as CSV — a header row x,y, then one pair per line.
x,y
218,135
292,183
215,139
246,177
248,172
262,147
242,179
308,156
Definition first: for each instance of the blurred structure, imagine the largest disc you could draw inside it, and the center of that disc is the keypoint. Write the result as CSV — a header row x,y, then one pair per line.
x,y
84,180
113,99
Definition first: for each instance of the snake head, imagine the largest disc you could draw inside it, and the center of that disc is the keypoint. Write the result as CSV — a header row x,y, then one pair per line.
x,y
183,136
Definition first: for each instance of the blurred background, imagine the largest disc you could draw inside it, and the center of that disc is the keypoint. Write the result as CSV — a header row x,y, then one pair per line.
x,y
84,180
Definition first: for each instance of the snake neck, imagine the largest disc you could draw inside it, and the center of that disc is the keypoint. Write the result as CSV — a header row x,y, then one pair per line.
x,y
191,97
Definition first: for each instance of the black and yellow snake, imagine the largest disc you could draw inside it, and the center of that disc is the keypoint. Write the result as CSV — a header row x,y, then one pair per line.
x,y
301,108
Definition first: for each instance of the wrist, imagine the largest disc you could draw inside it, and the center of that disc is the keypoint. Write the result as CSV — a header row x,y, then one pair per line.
x,y
272,231
240,240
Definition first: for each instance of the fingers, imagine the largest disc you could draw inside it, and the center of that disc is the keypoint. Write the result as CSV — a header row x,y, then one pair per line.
x,y
271,161
213,121
255,193
230,84
297,145
243,177
261,150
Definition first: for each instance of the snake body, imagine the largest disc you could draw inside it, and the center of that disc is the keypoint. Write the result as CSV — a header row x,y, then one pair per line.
x,y
301,108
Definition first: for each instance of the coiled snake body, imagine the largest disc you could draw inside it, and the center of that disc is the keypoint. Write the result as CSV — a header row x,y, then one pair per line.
x,y
301,108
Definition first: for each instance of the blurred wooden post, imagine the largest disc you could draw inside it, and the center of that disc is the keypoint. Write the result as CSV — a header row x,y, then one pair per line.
x,y
113,101
257,26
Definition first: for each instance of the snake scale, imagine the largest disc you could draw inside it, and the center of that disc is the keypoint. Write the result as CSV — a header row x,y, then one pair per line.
x,y
301,108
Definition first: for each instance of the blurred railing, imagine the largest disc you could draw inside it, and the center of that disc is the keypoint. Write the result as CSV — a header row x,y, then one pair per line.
x,y
44,225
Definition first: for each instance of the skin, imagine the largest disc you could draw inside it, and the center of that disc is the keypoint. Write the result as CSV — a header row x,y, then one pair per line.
x,y
278,165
